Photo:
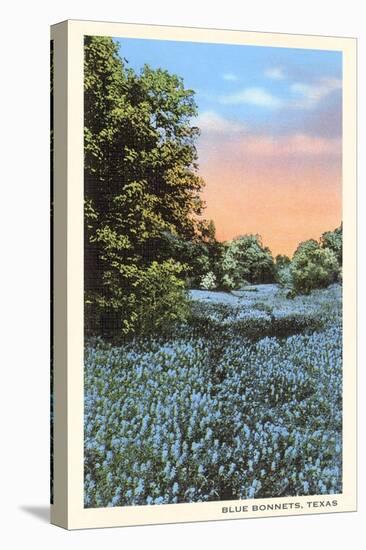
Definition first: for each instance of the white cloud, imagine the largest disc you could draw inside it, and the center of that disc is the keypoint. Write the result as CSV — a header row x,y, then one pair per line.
x,y
253,96
262,145
229,76
290,146
276,73
309,95
211,123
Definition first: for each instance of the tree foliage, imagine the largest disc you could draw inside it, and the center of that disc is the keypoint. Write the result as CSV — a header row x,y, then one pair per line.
x,y
333,240
313,267
281,261
208,281
315,264
246,260
141,183
283,270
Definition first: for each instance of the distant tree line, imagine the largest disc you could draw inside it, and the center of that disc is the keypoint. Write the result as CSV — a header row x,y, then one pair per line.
x,y
245,260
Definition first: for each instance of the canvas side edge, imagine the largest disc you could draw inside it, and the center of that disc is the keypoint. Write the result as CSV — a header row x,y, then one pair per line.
x,y
59,512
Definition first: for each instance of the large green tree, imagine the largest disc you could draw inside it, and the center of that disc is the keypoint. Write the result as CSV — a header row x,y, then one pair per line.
x,y
141,183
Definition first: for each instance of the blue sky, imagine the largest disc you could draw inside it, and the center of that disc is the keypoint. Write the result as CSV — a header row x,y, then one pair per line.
x,y
260,87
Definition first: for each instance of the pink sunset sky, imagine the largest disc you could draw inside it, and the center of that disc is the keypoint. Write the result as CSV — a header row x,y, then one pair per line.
x,y
286,188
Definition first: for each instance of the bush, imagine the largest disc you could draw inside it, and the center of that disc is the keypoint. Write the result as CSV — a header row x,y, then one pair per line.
x,y
284,276
313,267
245,259
152,301
208,281
162,300
228,282
334,241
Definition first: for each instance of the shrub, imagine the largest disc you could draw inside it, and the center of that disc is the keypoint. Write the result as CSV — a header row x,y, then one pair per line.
x,y
208,281
284,276
228,282
246,259
333,240
152,300
162,300
313,267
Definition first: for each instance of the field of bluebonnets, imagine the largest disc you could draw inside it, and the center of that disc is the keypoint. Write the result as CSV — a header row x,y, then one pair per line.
x,y
243,401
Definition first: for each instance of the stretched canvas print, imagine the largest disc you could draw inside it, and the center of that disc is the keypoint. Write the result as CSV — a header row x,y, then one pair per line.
x,y
203,274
